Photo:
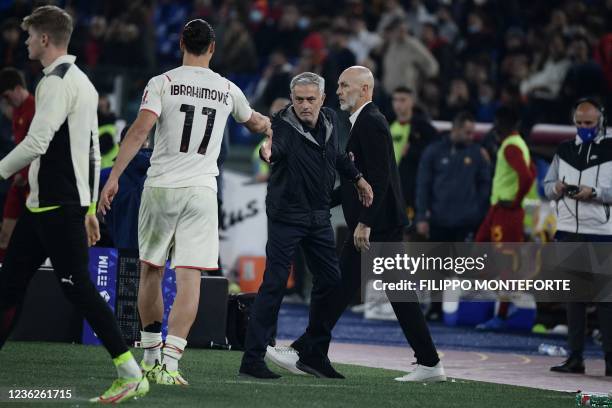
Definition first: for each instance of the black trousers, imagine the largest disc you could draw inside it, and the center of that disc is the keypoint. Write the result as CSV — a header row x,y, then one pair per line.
x,y
409,314
319,248
60,235
451,234
447,234
576,311
576,323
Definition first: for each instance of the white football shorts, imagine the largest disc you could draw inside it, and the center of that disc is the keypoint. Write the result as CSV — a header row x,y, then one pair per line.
x,y
182,223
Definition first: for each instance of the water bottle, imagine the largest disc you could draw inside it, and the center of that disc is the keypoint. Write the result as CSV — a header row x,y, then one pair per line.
x,y
552,350
584,399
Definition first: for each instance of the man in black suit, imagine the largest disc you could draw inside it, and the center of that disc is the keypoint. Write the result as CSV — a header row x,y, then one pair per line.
x,y
304,158
371,147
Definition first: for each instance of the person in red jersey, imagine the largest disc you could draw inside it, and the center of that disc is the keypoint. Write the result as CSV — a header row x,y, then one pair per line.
x,y
514,176
14,91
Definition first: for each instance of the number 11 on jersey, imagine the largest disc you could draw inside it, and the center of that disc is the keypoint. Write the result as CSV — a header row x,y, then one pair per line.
x,y
188,124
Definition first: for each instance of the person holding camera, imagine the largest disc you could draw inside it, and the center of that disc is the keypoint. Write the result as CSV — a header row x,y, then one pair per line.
x,y
580,181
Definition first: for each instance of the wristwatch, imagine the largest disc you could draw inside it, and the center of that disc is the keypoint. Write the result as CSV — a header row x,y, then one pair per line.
x,y
593,192
357,177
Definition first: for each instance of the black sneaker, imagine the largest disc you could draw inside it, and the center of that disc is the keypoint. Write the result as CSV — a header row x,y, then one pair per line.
x,y
259,371
573,365
318,368
434,314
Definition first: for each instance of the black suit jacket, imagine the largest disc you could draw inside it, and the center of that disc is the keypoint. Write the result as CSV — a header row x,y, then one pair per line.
x,y
371,146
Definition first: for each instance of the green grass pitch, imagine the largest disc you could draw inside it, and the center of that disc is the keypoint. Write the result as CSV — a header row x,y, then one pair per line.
x,y
214,383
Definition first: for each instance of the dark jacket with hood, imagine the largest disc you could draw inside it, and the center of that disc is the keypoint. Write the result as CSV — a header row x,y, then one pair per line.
x,y
303,172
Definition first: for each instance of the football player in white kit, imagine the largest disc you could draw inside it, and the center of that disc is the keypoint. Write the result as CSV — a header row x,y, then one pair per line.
x,y
178,213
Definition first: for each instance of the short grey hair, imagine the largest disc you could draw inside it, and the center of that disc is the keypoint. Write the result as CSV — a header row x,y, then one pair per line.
x,y
308,78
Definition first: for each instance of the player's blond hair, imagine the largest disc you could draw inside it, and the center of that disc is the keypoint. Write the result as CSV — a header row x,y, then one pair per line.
x,y
53,21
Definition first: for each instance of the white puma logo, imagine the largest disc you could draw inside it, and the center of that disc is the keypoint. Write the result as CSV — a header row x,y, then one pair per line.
x,y
69,280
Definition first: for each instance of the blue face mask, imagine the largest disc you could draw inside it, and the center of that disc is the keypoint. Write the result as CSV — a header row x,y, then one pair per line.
x,y
587,134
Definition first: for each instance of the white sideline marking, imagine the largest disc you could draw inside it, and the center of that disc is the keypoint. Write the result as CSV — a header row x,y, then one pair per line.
x,y
275,383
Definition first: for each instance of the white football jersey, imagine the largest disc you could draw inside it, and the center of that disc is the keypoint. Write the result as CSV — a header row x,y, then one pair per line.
x,y
192,105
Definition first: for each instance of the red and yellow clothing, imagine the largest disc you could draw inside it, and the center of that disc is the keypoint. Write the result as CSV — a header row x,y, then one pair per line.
x,y
22,117
514,176
17,195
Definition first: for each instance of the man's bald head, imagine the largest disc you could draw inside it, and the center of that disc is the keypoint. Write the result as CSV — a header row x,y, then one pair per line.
x,y
587,115
362,75
355,87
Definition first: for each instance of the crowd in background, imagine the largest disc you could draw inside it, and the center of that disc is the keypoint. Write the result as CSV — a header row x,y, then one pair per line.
x,y
472,55
432,59
455,60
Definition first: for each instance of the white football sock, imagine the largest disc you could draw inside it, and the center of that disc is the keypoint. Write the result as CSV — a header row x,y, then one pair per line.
x,y
173,351
152,345
126,366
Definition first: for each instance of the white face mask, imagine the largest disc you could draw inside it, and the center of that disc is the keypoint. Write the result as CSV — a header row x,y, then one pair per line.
x,y
484,99
303,23
256,16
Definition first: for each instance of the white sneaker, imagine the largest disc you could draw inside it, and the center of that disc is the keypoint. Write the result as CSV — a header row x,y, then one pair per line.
x,y
284,357
425,374
360,308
